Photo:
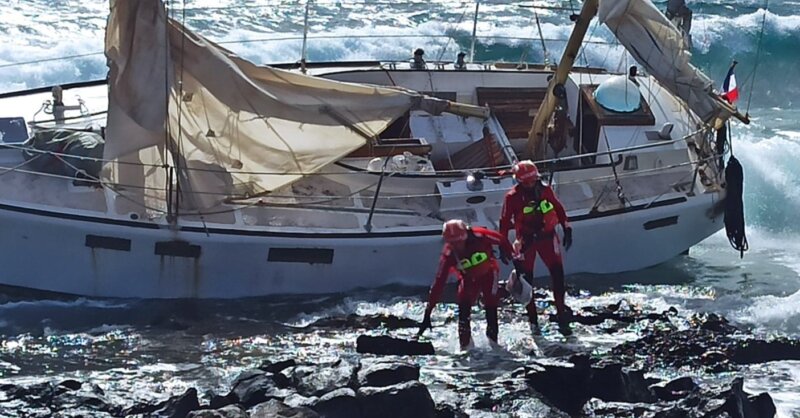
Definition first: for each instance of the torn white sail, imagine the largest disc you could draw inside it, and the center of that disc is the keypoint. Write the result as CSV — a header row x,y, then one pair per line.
x,y
238,128
659,47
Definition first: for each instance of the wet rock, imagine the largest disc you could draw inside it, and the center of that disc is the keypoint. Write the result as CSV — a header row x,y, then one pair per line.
x,y
385,345
229,411
610,383
253,387
596,315
278,366
599,408
365,322
71,384
295,400
409,399
448,411
386,374
739,404
674,389
712,343
761,351
219,401
175,407
340,403
321,379
730,402
277,409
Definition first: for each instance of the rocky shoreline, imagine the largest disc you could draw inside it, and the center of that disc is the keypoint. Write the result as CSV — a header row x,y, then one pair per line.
x,y
383,380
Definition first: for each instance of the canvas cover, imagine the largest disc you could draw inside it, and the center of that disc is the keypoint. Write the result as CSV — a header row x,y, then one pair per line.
x,y
660,48
237,128
69,142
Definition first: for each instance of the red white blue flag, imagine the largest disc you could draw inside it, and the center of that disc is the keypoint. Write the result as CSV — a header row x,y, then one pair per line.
x,y
730,91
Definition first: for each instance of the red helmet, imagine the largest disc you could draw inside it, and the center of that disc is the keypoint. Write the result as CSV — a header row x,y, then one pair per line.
x,y
455,230
526,172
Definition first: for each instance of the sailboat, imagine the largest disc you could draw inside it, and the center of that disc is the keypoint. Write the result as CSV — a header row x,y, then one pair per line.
x,y
204,175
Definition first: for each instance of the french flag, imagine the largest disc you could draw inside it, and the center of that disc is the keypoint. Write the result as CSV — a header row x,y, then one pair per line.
x,y
730,91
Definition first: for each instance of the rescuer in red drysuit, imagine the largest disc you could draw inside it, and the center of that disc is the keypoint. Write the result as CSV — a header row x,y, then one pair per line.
x,y
468,252
534,211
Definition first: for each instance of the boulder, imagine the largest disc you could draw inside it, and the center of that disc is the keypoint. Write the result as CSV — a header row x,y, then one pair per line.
x,y
178,406
230,411
674,389
387,373
340,403
321,379
409,399
277,366
253,387
385,345
277,409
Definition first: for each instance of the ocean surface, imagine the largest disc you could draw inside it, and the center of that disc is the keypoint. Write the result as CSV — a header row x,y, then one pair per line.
x,y
148,350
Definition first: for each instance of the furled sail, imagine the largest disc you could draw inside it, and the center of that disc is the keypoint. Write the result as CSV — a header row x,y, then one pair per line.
x,y
238,129
659,47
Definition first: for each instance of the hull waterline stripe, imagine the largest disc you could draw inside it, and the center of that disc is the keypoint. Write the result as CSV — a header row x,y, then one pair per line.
x,y
330,235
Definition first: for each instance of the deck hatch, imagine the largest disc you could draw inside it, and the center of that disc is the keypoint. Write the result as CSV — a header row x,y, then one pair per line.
x,y
301,255
108,243
660,223
177,249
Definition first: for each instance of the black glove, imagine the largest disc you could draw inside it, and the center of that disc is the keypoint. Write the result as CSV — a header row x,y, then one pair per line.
x,y
425,324
567,238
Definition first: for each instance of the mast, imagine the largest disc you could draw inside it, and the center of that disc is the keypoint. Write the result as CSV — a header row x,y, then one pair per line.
x,y
536,134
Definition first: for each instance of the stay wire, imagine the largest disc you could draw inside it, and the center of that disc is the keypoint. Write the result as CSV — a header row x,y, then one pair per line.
x,y
758,56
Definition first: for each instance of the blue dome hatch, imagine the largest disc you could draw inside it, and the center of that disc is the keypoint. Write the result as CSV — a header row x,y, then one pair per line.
x,y
618,94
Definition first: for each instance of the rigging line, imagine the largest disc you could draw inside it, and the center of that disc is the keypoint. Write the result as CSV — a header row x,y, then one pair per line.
x,y
43,60
465,193
450,38
541,36
758,56
620,194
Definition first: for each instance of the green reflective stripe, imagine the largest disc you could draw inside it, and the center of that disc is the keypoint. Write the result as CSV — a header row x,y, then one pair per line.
x,y
545,206
476,258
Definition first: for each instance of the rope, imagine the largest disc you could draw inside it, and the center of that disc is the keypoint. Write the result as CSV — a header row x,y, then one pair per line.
x,y
758,56
734,207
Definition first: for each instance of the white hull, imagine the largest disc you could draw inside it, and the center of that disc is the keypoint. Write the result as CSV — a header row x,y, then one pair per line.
x,y
235,262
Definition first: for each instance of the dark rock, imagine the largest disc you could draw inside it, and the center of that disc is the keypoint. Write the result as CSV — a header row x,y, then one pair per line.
x,y
760,351
220,401
447,411
739,404
599,408
366,322
321,379
409,399
229,411
338,403
277,409
71,384
278,366
386,345
295,400
253,387
387,374
610,383
175,407
674,389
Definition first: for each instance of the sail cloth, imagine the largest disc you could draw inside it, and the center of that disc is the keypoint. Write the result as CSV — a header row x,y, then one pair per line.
x,y
660,48
238,129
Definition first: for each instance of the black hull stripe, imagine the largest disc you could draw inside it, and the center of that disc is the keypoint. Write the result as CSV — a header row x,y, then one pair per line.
x,y
309,235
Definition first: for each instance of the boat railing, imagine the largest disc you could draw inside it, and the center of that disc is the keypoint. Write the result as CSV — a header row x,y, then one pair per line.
x,y
457,172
